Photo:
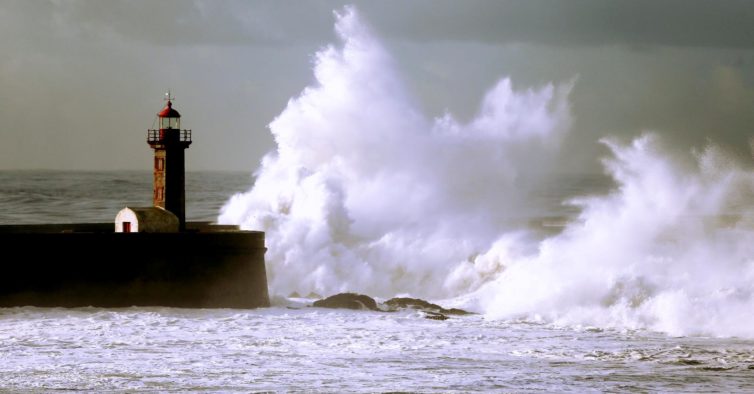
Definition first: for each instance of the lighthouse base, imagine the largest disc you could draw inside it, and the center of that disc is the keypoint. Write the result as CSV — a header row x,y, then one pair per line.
x,y
77,265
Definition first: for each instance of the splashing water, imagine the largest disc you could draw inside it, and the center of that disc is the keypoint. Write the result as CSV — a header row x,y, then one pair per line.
x,y
366,194
663,251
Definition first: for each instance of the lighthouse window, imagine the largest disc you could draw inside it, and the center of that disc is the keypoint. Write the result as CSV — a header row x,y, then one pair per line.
x,y
170,123
159,163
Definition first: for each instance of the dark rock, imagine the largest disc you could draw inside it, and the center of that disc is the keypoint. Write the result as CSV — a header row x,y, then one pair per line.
x,y
313,295
435,316
398,303
456,311
413,303
347,301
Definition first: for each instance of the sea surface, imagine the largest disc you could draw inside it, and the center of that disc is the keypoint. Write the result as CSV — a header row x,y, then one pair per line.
x,y
294,347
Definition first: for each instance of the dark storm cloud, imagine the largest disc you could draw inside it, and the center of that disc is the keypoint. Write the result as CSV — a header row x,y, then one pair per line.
x,y
695,23
684,23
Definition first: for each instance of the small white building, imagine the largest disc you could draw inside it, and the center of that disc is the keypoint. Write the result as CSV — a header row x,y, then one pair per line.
x,y
146,220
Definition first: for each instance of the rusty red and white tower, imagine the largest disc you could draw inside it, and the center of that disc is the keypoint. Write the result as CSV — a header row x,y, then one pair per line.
x,y
169,143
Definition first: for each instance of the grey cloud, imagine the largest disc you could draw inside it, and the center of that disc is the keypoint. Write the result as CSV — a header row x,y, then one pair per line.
x,y
177,22
80,75
694,23
637,23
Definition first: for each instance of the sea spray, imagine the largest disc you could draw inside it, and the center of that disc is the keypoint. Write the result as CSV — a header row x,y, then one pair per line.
x,y
671,249
365,193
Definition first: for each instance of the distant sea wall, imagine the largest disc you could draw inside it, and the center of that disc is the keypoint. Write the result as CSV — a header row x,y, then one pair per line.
x,y
72,265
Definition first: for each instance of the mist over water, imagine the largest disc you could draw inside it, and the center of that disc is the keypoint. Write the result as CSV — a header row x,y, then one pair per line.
x,y
365,193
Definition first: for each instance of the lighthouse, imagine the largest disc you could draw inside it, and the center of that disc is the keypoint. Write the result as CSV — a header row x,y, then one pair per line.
x,y
169,143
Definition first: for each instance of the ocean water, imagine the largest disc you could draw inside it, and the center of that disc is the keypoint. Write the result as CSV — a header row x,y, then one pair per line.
x,y
638,278
294,347
40,196
317,350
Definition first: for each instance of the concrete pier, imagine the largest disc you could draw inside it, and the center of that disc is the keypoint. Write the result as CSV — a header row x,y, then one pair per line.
x,y
73,265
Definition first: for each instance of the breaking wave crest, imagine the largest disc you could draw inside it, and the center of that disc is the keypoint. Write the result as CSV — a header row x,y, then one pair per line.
x,y
365,193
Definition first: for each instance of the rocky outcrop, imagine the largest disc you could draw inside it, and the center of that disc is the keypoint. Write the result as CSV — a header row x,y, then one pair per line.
x,y
435,316
399,303
348,301
363,302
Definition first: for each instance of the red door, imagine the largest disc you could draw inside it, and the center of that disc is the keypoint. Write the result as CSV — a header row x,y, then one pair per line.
x,y
126,227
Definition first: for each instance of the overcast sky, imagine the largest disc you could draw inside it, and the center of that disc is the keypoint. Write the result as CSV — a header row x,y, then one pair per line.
x,y
81,81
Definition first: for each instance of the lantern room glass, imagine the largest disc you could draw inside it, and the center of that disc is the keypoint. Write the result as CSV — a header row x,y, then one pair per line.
x,y
170,123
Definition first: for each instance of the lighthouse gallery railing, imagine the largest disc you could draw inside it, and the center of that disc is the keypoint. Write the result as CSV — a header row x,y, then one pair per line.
x,y
159,135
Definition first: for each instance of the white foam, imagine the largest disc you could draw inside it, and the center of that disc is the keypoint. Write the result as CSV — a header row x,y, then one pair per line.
x,y
664,250
365,193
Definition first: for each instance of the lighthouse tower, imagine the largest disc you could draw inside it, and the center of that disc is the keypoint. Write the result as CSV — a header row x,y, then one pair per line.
x,y
169,143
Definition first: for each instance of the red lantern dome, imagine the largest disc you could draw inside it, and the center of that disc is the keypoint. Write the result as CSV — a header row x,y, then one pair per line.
x,y
168,111
169,118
